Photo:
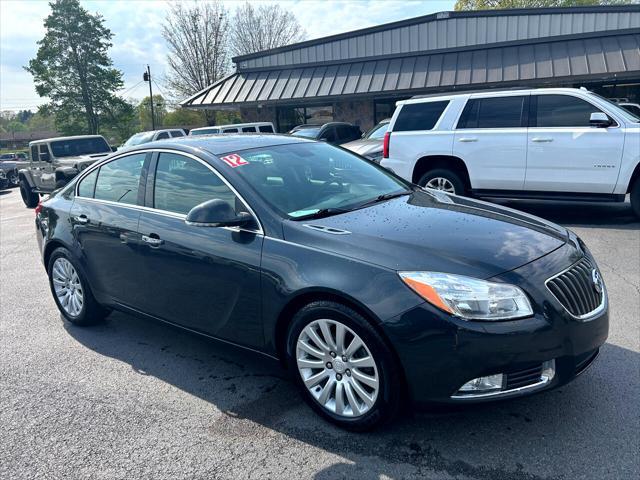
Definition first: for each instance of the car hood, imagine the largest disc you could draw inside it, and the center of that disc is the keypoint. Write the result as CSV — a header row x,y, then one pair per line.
x,y
433,232
81,159
365,146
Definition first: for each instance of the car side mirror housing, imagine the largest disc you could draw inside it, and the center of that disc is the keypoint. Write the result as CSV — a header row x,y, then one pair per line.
x,y
216,213
599,120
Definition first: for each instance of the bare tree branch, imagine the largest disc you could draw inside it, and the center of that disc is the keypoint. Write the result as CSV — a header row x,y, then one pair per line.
x,y
264,27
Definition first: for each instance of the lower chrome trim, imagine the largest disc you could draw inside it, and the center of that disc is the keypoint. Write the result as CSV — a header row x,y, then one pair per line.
x,y
545,380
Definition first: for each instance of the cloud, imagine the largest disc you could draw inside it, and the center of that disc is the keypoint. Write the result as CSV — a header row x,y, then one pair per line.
x,y
137,27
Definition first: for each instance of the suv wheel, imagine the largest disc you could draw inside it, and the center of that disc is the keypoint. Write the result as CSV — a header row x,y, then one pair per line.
x,y
29,197
635,197
71,290
345,370
443,179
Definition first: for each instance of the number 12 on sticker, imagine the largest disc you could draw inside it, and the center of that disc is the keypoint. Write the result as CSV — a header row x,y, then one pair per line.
x,y
234,160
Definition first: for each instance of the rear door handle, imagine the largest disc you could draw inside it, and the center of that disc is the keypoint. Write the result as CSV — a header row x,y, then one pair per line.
x,y
541,139
81,219
154,240
468,139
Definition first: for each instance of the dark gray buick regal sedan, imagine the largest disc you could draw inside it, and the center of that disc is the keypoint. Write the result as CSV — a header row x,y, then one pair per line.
x,y
372,291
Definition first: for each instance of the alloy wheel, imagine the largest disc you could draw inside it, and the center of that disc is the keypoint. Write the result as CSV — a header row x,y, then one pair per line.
x,y
337,368
441,183
67,286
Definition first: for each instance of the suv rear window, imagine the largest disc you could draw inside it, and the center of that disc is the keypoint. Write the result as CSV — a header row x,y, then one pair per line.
x,y
497,112
419,116
266,128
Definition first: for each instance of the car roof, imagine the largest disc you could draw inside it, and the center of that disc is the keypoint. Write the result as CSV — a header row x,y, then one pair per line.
x,y
224,142
488,93
57,139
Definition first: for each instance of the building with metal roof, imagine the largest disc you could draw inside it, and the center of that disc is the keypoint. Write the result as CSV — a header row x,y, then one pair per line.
x,y
358,76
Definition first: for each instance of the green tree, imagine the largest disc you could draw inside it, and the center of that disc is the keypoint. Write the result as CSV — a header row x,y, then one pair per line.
x,y
119,121
501,4
41,123
159,111
73,69
15,126
185,117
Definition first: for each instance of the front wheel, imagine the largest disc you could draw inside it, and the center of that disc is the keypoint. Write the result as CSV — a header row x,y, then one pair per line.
x,y
29,197
71,290
345,369
443,179
635,197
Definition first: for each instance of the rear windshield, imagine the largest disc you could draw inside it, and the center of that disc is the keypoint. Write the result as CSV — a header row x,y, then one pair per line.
x,y
139,138
205,131
79,146
378,131
307,132
419,116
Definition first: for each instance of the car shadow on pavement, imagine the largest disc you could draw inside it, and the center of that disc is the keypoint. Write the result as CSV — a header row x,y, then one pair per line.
x,y
550,435
580,214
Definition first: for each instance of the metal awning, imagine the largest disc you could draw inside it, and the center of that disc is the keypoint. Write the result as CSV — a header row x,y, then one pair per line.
x,y
603,56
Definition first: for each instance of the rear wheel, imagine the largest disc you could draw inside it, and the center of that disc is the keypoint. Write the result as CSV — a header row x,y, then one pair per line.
x,y
443,179
635,197
71,290
345,370
29,197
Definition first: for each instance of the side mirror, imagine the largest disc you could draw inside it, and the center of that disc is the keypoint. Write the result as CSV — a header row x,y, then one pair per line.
x,y
599,120
114,148
216,213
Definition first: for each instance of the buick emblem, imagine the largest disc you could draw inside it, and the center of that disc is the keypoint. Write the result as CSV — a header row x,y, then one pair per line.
x,y
597,281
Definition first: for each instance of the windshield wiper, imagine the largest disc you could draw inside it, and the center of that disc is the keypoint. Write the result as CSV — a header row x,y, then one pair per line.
x,y
323,212
384,197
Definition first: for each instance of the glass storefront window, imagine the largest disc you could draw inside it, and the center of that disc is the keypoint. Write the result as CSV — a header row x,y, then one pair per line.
x,y
289,117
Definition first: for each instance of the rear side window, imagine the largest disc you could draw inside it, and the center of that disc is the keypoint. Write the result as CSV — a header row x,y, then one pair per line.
x,y
266,128
248,129
34,153
119,180
88,185
419,116
162,135
499,112
230,130
177,133
562,111
182,183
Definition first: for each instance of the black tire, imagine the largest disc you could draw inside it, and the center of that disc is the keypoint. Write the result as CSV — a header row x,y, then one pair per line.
x,y
635,197
450,175
391,386
91,312
29,197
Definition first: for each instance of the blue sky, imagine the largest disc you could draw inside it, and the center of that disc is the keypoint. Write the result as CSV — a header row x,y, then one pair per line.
x,y
136,25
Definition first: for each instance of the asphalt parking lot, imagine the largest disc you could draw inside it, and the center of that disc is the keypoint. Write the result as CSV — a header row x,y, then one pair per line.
x,y
133,399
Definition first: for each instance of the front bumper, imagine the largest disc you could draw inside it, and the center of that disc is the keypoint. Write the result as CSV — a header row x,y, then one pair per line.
x,y
440,353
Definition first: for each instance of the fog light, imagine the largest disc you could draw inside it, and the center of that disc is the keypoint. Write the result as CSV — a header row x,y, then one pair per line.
x,y
483,384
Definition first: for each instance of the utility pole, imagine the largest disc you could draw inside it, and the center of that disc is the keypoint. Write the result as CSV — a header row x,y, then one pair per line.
x,y
147,78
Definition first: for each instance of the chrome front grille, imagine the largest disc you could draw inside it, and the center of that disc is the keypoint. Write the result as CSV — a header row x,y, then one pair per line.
x,y
579,289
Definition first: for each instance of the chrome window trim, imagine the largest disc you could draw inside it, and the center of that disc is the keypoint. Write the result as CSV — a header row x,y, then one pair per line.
x,y
587,316
158,211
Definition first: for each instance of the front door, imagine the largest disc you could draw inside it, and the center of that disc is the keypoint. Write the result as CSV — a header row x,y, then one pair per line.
x,y
491,138
565,153
203,278
105,216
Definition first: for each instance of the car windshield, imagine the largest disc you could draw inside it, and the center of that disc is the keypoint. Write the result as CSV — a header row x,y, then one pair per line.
x,y
309,132
79,146
304,179
378,131
628,116
205,131
139,138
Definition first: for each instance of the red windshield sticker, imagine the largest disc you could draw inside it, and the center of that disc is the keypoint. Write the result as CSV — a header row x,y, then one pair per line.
x,y
234,160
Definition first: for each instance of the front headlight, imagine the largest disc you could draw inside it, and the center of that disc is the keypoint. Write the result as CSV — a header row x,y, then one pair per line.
x,y
469,298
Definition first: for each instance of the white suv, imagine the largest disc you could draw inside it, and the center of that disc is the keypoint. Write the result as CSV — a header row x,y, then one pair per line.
x,y
555,143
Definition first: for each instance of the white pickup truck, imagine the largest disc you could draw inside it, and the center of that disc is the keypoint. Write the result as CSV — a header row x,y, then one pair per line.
x,y
552,143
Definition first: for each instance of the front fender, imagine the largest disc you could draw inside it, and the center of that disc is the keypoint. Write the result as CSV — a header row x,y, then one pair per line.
x,y
24,174
66,173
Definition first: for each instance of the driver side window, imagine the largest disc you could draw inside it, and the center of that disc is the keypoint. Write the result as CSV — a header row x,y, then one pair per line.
x,y
181,183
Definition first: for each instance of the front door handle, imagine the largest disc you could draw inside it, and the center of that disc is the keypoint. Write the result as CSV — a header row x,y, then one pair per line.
x,y
83,219
152,240
468,139
541,139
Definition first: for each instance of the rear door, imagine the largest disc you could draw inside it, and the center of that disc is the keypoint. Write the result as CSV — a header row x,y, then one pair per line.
x,y
567,154
204,278
491,138
104,217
